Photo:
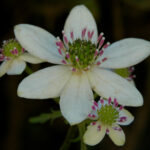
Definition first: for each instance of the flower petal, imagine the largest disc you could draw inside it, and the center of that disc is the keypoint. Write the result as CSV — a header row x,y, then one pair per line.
x,y
4,67
125,53
30,58
45,83
16,67
117,135
108,84
76,99
38,42
128,115
93,135
80,18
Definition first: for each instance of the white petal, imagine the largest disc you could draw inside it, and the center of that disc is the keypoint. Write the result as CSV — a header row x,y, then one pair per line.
x,y
118,137
30,58
126,52
79,18
16,67
45,83
108,84
38,42
76,99
93,136
4,67
128,115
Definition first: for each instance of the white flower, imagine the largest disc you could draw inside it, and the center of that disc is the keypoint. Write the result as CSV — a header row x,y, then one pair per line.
x,y
109,116
13,58
83,61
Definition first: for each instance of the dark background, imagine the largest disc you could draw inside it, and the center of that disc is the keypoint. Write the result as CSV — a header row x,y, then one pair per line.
x,y
117,19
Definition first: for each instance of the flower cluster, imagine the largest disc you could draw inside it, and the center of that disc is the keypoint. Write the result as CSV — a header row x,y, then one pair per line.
x,y
84,63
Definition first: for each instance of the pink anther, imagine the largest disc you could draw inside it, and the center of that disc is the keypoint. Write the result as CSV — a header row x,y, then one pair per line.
x,y
64,62
104,59
109,100
83,33
101,42
98,63
72,35
106,45
100,37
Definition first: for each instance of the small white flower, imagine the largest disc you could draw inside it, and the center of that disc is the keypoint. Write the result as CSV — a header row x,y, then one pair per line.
x,y
84,65
109,116
13,58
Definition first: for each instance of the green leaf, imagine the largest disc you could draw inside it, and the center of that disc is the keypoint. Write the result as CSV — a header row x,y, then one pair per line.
x,y
43,118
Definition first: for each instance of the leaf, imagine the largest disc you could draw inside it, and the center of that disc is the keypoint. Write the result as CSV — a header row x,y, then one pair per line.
x,y
43,118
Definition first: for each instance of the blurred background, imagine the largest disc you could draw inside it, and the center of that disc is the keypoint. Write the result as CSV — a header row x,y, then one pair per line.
x,y
117,19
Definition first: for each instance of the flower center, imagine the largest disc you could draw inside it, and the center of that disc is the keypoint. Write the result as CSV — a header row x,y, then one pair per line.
x,y
81,53
10,49
108,114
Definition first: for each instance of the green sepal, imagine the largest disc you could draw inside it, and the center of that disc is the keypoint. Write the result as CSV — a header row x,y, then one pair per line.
x,y
125,73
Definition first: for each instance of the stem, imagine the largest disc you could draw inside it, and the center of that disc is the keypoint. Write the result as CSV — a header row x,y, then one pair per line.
x,y
82,128
67,141
28,70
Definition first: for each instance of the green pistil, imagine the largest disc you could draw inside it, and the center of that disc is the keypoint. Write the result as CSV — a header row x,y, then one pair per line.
x,y
84,50
9,46
108,114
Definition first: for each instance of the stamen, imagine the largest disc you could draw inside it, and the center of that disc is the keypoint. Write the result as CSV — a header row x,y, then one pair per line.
x,y
64,62
100,36
93,107
117,128
16,51
121,107
106,45
90,35
72,35
65,38
59,50
77,59
96,52
93,116
101,52
67,55
60,44
107,131
99,127
122,119
93,123
98,63
115,102
83,33
102,101
95,103
109,100
74,69
104,59
101,42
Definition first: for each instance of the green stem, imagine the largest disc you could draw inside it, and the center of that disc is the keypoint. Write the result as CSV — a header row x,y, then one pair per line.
x,y
67,141
82,128
28,70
